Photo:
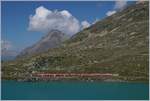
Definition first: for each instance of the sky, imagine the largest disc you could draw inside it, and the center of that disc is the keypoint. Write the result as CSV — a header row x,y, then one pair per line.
x,y
24,23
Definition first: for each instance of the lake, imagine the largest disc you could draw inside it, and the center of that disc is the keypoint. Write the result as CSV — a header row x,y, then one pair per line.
x,y
69,90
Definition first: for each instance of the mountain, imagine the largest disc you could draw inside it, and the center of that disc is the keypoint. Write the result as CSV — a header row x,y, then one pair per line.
x,y
7,55
52,40
117,44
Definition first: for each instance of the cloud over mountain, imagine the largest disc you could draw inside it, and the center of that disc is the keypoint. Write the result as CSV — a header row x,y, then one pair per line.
x,y
45,20
109,13
119,5
85,24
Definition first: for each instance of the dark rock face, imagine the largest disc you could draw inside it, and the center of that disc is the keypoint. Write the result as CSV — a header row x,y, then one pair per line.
x,y
52,40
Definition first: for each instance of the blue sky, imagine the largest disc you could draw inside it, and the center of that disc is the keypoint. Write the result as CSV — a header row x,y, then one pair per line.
x,y
15,18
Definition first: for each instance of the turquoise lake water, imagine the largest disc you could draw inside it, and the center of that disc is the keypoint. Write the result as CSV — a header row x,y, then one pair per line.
x,y
12,90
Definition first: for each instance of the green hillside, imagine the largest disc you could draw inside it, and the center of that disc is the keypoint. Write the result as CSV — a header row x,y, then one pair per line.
x,y
117,44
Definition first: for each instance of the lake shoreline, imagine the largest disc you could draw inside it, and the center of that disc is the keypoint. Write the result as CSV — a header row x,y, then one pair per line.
x,y
77,80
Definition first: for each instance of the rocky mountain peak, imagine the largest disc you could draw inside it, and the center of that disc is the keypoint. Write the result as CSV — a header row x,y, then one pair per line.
x,y
52,40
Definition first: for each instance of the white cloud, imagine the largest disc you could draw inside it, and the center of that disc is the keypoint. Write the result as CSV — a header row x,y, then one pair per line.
x,y
120,4
5,45
45,20
109,13
85,24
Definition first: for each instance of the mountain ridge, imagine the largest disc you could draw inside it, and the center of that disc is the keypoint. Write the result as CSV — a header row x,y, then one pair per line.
x,y
51,40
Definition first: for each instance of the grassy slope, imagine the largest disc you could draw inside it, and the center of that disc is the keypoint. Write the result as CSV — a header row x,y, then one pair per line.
x,y
117,44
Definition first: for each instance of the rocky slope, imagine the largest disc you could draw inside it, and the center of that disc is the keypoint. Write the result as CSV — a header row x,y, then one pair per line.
x,y
52,40
117,44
